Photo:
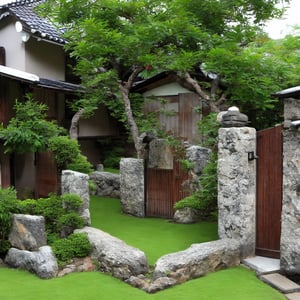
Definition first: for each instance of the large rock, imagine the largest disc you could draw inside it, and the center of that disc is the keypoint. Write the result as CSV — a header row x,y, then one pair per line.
x,y
107,184
27,232
198,156
186,215
41,262
160,155
77,183
132,190
198,260
115,256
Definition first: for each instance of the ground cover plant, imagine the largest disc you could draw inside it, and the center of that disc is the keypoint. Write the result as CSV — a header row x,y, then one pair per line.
x,y
234,284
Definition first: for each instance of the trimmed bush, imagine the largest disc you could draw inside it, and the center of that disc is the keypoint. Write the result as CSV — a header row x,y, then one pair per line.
x,y
80,164
75,245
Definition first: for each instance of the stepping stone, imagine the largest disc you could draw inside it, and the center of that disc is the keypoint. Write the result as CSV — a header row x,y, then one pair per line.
x,y
281,283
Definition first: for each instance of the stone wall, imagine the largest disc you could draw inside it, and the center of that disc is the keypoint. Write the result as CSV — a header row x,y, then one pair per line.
x,y
107,184
132,189
237,187
290,226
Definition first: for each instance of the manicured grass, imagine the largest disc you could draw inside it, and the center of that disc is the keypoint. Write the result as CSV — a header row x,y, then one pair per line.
x,y
154,236
233,284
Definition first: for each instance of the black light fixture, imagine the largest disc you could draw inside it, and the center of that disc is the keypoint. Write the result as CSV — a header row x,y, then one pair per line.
x,y
252,156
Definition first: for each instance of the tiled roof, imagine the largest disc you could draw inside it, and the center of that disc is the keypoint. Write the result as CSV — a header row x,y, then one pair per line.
x,y
39,27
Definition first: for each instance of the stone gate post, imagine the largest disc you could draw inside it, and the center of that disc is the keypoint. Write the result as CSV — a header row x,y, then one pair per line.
x,y
132,190
237,183
290,215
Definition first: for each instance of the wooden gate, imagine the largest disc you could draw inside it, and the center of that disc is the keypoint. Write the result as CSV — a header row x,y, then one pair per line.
x,y
163,189
269,192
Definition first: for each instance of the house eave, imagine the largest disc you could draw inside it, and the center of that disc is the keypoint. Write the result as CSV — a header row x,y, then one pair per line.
x,y
35,80
293,92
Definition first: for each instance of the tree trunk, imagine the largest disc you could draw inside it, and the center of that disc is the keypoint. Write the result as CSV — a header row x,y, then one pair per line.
x,y
131,122
196,87
73,132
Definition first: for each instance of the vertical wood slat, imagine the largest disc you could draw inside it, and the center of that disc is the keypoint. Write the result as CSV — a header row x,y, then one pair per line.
x,y
269,192
46,175
163,190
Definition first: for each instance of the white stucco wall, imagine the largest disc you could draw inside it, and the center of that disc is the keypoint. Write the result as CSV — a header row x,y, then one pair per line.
x,y
14,47
169,89
98,125
45,59
38,57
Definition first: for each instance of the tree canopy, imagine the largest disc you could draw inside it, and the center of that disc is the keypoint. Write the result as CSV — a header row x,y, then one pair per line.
x,y
215,47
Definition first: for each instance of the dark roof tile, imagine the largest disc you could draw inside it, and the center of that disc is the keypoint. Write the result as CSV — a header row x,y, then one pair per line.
x,y
37,26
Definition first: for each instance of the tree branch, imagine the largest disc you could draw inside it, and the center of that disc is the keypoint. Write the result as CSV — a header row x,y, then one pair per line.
x,y
73,132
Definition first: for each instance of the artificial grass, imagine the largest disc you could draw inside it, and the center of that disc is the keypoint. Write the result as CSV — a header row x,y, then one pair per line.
x,y
154,236
232,284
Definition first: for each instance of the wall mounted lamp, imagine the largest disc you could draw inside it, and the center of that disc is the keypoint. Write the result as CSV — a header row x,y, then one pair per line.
x,y
24,35
252,156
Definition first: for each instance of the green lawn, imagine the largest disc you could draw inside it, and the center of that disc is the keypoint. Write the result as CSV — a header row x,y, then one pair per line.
x,y
155,237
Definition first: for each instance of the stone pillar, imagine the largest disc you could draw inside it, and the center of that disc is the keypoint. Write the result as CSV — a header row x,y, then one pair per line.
x,y
132,189
290,218
73,182
237,187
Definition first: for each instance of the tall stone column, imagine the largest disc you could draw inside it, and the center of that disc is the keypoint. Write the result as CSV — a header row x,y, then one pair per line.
x,y
290,216
237,186
132,190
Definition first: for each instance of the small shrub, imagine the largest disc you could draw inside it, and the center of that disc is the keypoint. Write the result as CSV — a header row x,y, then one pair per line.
x,y
190,201
64,149
204,200
27,206
92,185
71,202
80,164
75,245
61,213
8,205
68,222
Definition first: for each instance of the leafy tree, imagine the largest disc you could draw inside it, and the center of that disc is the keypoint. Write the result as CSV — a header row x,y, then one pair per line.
x,y
205,43
29,131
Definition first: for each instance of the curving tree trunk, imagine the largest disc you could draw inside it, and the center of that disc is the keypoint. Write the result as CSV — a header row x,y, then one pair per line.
x,y
73,132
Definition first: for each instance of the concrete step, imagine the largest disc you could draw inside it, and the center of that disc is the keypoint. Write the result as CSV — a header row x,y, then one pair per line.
x,y
293,296
281,283
262,265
